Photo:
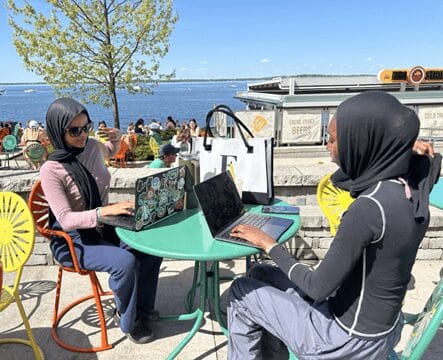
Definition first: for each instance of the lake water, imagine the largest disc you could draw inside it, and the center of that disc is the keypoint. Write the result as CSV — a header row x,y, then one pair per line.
x,y
181,100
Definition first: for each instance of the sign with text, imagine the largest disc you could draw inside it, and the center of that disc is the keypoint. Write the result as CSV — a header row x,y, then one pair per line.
x,y
431,121
301,126
261,123
414,75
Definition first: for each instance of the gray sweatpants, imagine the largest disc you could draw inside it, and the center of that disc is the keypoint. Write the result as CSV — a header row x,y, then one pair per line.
x,y
267,314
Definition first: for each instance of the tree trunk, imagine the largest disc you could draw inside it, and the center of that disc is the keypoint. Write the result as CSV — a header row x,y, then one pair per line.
x,y
115,107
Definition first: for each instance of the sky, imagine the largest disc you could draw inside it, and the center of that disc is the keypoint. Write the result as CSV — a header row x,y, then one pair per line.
x,y
264,38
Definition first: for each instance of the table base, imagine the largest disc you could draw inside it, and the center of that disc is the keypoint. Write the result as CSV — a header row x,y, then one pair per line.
x,y
209,283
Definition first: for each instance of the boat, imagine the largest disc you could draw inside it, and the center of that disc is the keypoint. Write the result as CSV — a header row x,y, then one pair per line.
x,y
2,91
29,91
297,110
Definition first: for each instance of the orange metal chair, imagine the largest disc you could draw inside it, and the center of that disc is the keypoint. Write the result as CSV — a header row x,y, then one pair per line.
x,y
131,141
40,212
121,154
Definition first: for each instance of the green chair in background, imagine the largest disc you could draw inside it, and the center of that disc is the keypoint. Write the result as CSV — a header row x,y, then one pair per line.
x,y
426,326
9,144
15,131
35,153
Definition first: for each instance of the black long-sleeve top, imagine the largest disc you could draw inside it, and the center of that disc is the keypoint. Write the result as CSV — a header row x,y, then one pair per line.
x,y
365,273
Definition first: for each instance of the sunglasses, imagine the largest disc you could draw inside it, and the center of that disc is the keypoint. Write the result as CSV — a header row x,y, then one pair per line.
x,y
77,131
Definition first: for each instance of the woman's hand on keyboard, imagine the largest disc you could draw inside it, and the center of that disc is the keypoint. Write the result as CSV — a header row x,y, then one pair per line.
x,y
253,235
121,208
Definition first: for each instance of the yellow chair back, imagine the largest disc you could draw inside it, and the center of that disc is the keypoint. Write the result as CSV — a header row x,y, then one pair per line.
x,y
333,202
16,245
155,148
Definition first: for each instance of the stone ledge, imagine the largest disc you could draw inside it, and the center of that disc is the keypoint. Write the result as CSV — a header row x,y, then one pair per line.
x,y
295,182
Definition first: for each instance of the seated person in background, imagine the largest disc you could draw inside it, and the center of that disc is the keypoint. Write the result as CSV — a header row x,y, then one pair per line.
x,y
131,142
131,128
31,135
9,127
193,128
99,134
154,131
76,184
167,156
155,125
19,132
170,123
182,140
3,132
139,127
349,307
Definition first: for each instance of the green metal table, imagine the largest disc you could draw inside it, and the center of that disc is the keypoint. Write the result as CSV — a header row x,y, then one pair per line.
x,y
186,236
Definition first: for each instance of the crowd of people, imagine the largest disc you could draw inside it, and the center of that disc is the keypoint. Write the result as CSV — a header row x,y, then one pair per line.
x,y
349,307
34,132
140,127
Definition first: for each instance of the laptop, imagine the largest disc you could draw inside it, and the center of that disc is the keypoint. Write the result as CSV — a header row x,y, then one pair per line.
x,y
222,208
157,197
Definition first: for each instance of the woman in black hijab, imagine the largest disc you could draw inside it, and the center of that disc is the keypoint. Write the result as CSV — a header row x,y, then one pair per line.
x,y
76,184
350,306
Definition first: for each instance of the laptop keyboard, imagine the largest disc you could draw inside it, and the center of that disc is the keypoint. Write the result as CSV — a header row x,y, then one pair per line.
x,y
248,219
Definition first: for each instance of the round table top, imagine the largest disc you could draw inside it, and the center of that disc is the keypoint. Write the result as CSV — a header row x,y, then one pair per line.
x,y
186,236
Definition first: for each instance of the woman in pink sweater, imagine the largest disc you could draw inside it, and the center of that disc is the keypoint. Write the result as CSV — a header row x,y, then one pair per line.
x,y
76,184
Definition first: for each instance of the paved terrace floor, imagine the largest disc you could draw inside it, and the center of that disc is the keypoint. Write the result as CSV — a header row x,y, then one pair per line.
x,y
38,289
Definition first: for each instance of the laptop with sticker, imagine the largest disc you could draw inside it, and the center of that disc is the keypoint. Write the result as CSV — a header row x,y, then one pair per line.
x,y
157,197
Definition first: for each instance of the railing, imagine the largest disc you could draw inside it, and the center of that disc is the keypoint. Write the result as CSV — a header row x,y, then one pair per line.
x,y
431,134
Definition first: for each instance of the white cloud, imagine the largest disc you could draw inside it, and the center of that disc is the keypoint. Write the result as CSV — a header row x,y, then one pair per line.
x,y
203,62
265,61
369,59
182,69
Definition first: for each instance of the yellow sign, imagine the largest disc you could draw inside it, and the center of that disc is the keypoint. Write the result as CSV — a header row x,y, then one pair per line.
x,y
414,75
259,123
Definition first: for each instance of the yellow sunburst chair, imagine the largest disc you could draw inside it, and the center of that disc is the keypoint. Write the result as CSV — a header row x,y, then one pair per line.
x,y
333,202
16,245
155,147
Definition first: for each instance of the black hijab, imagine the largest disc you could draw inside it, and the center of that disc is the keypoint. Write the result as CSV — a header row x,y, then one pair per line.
x,y
58,118
375,135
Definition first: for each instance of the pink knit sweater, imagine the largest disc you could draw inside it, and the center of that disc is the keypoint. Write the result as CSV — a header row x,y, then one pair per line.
x,y
62,193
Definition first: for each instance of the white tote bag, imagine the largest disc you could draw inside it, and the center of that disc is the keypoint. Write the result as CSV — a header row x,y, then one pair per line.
x,y
250,160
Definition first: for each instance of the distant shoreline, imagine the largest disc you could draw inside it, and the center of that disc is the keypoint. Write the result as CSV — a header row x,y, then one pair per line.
x,y
209,80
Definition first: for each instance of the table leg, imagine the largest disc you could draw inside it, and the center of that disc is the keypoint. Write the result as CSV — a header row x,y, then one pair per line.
x,y
190,297
197,314
215,285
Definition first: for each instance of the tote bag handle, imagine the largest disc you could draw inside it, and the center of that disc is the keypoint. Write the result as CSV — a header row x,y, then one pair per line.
x,y
227,110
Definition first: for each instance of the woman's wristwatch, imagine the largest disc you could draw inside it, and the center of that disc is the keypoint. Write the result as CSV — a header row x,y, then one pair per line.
x,y
98,212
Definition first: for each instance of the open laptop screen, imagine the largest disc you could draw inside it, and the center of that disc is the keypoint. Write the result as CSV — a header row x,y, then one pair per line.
x,y
220,201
